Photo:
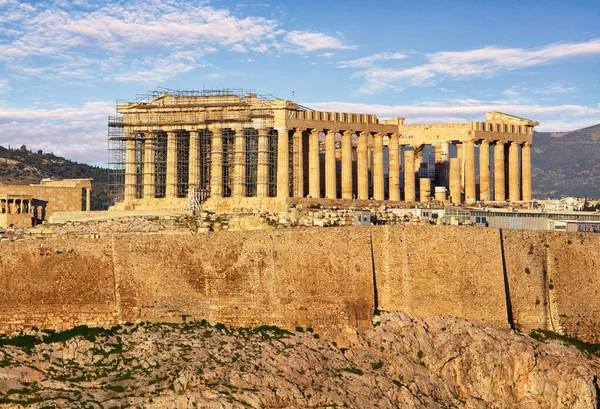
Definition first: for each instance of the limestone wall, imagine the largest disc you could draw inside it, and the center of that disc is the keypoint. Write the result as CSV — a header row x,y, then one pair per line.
x,y
441,270
322,278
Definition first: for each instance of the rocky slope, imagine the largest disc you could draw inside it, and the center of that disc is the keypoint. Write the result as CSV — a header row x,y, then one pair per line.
x,y
403,361
566,163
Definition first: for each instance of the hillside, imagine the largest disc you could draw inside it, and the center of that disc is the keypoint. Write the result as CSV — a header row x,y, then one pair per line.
x,y
402,361
22,166
566,163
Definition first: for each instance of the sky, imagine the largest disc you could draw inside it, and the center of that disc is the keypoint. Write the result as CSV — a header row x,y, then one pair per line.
x,y
65,63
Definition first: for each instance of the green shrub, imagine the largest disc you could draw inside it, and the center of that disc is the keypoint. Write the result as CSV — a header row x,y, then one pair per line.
x,y
588,347
355,371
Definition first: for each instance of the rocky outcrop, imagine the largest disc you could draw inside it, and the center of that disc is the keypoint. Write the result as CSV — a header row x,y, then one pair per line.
x,y
402,361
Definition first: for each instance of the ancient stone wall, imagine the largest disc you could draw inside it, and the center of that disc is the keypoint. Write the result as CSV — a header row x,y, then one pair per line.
x,y
441,270
320,278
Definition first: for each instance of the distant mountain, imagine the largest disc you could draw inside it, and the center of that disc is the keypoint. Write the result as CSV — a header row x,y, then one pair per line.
x,y
22,166
566,163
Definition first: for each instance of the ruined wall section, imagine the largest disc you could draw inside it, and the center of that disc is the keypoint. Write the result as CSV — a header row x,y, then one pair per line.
x,y
441,270
287,278
56,284
319,278
554,280
573,264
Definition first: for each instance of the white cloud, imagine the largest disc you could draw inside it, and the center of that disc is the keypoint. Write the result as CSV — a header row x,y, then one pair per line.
x,y
77,133
569,117
480,62
81,40
310,41
370,60
4,85
557,88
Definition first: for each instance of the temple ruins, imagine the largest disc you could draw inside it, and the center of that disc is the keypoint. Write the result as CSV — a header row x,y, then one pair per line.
x,y
27,205
233,150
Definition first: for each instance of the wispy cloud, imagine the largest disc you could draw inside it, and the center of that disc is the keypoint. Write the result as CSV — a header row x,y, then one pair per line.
x,y
557,88
482,62
371,60
307,41
4,85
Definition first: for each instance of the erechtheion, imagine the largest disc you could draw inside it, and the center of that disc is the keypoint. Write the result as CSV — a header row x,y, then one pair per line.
x,y
232,149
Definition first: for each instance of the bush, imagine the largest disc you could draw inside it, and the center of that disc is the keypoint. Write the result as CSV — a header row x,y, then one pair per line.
x,y
377,365
588,347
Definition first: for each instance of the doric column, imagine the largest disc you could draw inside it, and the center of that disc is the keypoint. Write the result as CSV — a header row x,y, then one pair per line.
x,y
314,176
514,189
470,192
239,165
330,177
171,164
526,170
130,169
394,168
88,199
378,182
149,168
461,164
362,166
484,171
499,195
424,190
298,164
263,164
455,180
283,163
409,175
347,165
194,161
216,165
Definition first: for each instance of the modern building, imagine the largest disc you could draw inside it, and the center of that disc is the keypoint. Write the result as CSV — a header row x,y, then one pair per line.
x,y
229,149
510,218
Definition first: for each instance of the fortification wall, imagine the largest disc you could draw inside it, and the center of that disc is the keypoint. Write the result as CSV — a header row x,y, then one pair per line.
x,y
441,270
322,278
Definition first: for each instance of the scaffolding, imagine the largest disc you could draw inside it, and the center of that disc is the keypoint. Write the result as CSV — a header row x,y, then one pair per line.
x,y
160,122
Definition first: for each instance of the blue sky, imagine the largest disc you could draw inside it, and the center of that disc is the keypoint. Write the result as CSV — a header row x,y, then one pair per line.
x,y
63,64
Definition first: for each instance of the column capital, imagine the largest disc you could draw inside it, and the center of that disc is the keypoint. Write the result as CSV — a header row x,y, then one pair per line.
x,y
484,141
527,144
298,132
282,129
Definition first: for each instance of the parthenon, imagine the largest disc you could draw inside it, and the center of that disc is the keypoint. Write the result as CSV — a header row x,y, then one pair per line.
x,y
232,149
